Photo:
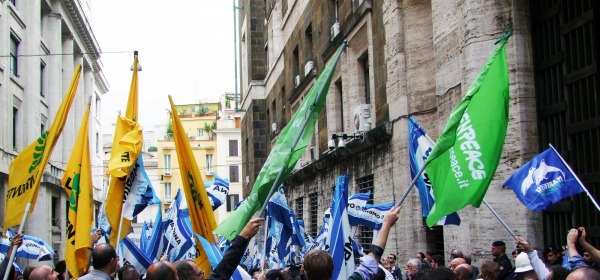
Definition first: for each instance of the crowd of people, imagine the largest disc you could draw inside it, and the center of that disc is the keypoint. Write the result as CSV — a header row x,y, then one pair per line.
x,y
319,265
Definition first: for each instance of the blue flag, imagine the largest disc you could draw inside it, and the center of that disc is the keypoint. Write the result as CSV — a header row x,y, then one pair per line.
x,y
340,243
217,191
154,247
544,180
129,253
144,238
33,248
139,192
420,145
280,230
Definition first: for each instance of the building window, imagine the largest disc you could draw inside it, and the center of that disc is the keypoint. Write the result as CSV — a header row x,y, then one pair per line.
x,y
14,53
340,105
14,2
234,174
97,142
209,164
365,184
15,126
366,82
299,208
42,79
232,201
200,132
313,213
295,62
167,164
168,191
55,211
233,148
97,106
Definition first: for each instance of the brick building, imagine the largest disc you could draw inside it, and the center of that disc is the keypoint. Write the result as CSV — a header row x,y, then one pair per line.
x,y
419,57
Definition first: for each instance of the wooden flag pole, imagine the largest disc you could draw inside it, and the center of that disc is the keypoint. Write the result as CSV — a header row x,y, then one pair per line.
x,y
13,253
500,219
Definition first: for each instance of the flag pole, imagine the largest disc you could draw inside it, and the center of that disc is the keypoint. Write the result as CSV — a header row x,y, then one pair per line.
x,y
170,238
276,183
412,184
500,219
119,229
13,253
262,258
576,178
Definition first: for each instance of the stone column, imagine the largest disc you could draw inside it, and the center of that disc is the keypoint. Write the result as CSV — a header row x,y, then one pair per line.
x,y
68,132
54,76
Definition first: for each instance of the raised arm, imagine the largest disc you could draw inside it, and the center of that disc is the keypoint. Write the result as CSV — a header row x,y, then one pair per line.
x,y
595,253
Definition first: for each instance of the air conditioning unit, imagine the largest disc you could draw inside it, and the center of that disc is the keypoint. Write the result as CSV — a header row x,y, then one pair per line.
x,y
310,65
297,80
335,30
362,117
274,127
229,117
167,172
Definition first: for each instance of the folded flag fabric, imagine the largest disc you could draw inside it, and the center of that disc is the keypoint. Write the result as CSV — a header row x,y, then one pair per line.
x,y
16,266
544,180
339,232
33,248
420,145
217,191
129,253
139,192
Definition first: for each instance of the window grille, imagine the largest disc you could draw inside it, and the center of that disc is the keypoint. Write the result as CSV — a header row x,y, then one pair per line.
x,y
364,184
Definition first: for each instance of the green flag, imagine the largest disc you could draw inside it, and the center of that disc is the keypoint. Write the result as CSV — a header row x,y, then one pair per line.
x,y
285,152
465,157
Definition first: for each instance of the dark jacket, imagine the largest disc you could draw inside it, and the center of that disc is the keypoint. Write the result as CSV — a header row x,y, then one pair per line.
x,y
230,260
506,267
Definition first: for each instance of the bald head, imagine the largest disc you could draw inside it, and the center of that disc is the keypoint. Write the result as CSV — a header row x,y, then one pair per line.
x,y
456,262
583,273
464,271
43,272
456,253
161,271
104,257
188,270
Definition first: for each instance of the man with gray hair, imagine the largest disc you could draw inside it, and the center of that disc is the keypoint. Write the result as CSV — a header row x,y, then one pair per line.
x,y
412,266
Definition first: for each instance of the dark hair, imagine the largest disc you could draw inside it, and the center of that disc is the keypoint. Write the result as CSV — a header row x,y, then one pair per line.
x,y
318,265
391,254
422,255
27,271
60,267
274,274
559,272
438,259
440,273
102,255
185,271
380,275
160,271
128,272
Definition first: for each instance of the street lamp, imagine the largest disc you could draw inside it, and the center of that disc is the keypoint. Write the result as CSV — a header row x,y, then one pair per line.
x,y
341,144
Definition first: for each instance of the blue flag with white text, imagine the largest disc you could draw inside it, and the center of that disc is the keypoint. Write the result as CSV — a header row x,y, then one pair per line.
x,y
33,248
139,192
545,179
154,248
217,191
340,242
420,145
129,253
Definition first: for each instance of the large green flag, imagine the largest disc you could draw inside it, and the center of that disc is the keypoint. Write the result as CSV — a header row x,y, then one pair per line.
x,y
284,154
466,155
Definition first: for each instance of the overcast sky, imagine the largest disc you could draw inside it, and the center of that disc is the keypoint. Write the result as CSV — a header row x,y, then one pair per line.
x,y
185,49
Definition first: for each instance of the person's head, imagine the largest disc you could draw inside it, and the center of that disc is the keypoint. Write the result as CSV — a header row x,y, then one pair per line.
x,y
161,271
188,270
128,272
61,268
490,270
456,262
420,256
498,248
583,274
254,272
440,273
552,255
587,258
464,271
392,258
412,266
387,264
514,254
43,272
456,253
318,265
558,272
428,256
105,258
274,274
523,268
437,261
467,257
27,271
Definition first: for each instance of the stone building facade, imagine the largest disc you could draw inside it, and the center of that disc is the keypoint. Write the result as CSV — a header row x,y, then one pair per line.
x,y
42,42
419,57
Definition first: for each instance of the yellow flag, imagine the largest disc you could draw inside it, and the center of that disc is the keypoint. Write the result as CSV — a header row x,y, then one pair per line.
x,y
127,145
77,183
26,170
201,213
